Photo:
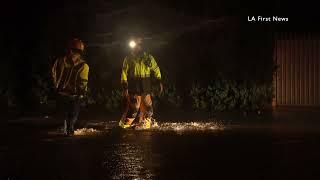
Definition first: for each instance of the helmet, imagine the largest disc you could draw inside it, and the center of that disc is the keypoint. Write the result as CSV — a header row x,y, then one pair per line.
x,y
76,44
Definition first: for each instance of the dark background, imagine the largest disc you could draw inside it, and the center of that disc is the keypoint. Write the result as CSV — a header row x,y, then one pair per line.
x,y
191,40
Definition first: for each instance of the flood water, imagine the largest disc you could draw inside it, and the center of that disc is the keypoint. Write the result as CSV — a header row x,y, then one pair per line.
x,y
193,150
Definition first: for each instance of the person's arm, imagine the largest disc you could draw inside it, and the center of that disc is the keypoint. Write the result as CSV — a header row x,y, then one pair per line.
x,y
157,73
83,84
54,73
124,76
155,68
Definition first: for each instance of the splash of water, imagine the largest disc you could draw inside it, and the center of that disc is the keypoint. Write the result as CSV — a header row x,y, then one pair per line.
x,y
191,126
85,131
165,126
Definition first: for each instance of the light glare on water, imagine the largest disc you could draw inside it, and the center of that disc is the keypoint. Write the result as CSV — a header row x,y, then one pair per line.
x,y
192,126
178,126
85,131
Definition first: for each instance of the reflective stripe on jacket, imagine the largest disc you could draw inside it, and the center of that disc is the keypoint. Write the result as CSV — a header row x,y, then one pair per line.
x,y
69,78
139,67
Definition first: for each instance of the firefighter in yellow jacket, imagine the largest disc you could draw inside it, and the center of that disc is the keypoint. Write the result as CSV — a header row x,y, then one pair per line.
x,y
137,69
70,79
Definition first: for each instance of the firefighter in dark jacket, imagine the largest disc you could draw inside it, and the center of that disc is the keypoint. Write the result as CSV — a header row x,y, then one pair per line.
x,y
137,69
70,79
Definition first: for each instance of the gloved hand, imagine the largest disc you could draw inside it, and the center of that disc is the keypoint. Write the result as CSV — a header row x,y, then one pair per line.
x,y
125,92
80,97
159,89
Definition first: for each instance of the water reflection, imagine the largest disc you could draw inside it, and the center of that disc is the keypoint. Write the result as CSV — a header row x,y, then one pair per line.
x,y
133,155
192,126
85,131
130,159
179,128
77,132
176,126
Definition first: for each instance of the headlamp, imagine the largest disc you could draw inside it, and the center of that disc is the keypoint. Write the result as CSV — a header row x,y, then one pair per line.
x,y
132,44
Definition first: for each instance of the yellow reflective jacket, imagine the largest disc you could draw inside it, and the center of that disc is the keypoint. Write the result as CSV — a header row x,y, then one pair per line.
x,y
139,67
69,78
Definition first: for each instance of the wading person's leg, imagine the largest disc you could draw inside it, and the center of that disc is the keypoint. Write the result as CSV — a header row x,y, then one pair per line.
x,y
74,115
63,107
146,112
124,107
134,105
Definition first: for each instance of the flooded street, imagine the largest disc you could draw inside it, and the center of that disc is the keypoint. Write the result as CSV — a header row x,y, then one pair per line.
x,y
231,90
190,150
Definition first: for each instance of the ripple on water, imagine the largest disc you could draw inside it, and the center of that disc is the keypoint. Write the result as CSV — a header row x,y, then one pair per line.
x,y
85,131
128,161
191,126
163,126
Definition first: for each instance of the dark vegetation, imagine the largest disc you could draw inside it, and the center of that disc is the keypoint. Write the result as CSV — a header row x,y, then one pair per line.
x,y
222,66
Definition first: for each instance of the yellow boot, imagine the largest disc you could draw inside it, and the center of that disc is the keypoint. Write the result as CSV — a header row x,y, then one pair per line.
x,y
125,122
144,124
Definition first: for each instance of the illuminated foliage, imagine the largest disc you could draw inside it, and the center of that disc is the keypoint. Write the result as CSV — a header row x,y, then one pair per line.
x,y
223,95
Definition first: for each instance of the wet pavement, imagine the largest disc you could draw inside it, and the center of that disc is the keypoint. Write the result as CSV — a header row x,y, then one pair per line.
x,y
283,146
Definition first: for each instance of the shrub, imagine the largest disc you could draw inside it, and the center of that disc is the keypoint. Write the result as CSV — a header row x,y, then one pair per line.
x,y
40,90
170,97
197,94
222,95
113,101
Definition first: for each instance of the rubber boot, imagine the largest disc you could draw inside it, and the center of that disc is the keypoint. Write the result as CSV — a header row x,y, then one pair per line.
x,y
125,122
144,124
65,128
70,129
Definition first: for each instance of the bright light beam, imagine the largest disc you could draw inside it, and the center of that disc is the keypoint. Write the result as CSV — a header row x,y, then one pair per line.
x,y
132,44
